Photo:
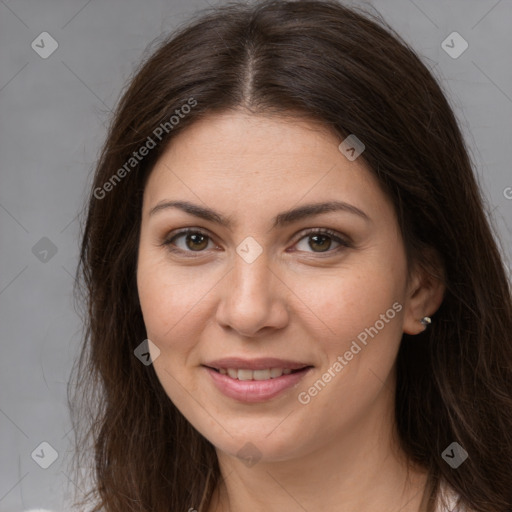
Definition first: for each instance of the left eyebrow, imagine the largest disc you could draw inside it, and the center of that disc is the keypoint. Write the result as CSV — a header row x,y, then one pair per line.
x,y
280,220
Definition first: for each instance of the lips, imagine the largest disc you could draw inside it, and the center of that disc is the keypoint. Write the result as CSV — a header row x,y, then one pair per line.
x,y
255,380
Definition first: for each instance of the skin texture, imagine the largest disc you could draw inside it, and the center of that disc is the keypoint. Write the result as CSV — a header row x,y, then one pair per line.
x,y
301,299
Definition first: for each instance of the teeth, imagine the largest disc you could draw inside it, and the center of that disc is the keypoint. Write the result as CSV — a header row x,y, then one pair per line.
x,y
245,374
260,374
275,372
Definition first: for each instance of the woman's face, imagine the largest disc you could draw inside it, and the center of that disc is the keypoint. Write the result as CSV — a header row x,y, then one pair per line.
x,y
253,284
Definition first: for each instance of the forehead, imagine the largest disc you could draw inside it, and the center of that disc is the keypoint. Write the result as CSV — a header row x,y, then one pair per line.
x,y
254,161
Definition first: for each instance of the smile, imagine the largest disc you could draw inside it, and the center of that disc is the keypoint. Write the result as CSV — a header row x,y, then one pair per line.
x,y
253,386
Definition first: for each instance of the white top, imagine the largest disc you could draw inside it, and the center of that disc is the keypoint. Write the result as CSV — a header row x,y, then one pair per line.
x,y
448,500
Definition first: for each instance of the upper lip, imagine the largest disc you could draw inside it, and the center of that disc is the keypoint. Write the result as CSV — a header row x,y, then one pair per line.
x,y
255,364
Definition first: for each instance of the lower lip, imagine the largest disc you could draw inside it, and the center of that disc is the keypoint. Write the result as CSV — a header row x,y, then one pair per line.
x,y
255,390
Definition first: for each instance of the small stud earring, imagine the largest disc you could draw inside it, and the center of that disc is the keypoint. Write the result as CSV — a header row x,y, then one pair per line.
x,y
426,321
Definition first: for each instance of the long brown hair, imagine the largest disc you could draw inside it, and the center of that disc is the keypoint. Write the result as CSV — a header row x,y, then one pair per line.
x,y
349,70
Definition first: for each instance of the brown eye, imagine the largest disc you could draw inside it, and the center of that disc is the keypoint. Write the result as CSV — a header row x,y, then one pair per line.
x,y
319,241
194,241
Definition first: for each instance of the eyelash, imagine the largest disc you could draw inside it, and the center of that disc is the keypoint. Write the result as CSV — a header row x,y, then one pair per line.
x,y
344,243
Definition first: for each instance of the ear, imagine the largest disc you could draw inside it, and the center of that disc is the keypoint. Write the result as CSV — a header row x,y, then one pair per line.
x,y
425,294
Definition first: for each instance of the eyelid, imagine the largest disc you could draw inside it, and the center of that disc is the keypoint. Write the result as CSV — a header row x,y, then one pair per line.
x,y
344,240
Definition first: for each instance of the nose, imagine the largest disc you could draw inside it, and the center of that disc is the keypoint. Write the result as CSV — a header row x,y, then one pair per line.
x,y
253,299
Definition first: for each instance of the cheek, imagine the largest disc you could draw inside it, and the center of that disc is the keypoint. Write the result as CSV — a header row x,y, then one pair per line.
x,y
346,302
170,297
363,312
167,309
358,315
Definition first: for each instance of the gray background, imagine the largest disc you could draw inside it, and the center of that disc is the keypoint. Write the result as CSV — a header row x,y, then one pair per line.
x,y
53,116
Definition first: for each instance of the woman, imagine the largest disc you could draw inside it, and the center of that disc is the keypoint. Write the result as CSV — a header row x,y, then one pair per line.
x,y
295,301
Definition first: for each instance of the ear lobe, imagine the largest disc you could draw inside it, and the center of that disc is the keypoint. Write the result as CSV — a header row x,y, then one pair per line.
x,y
425,295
